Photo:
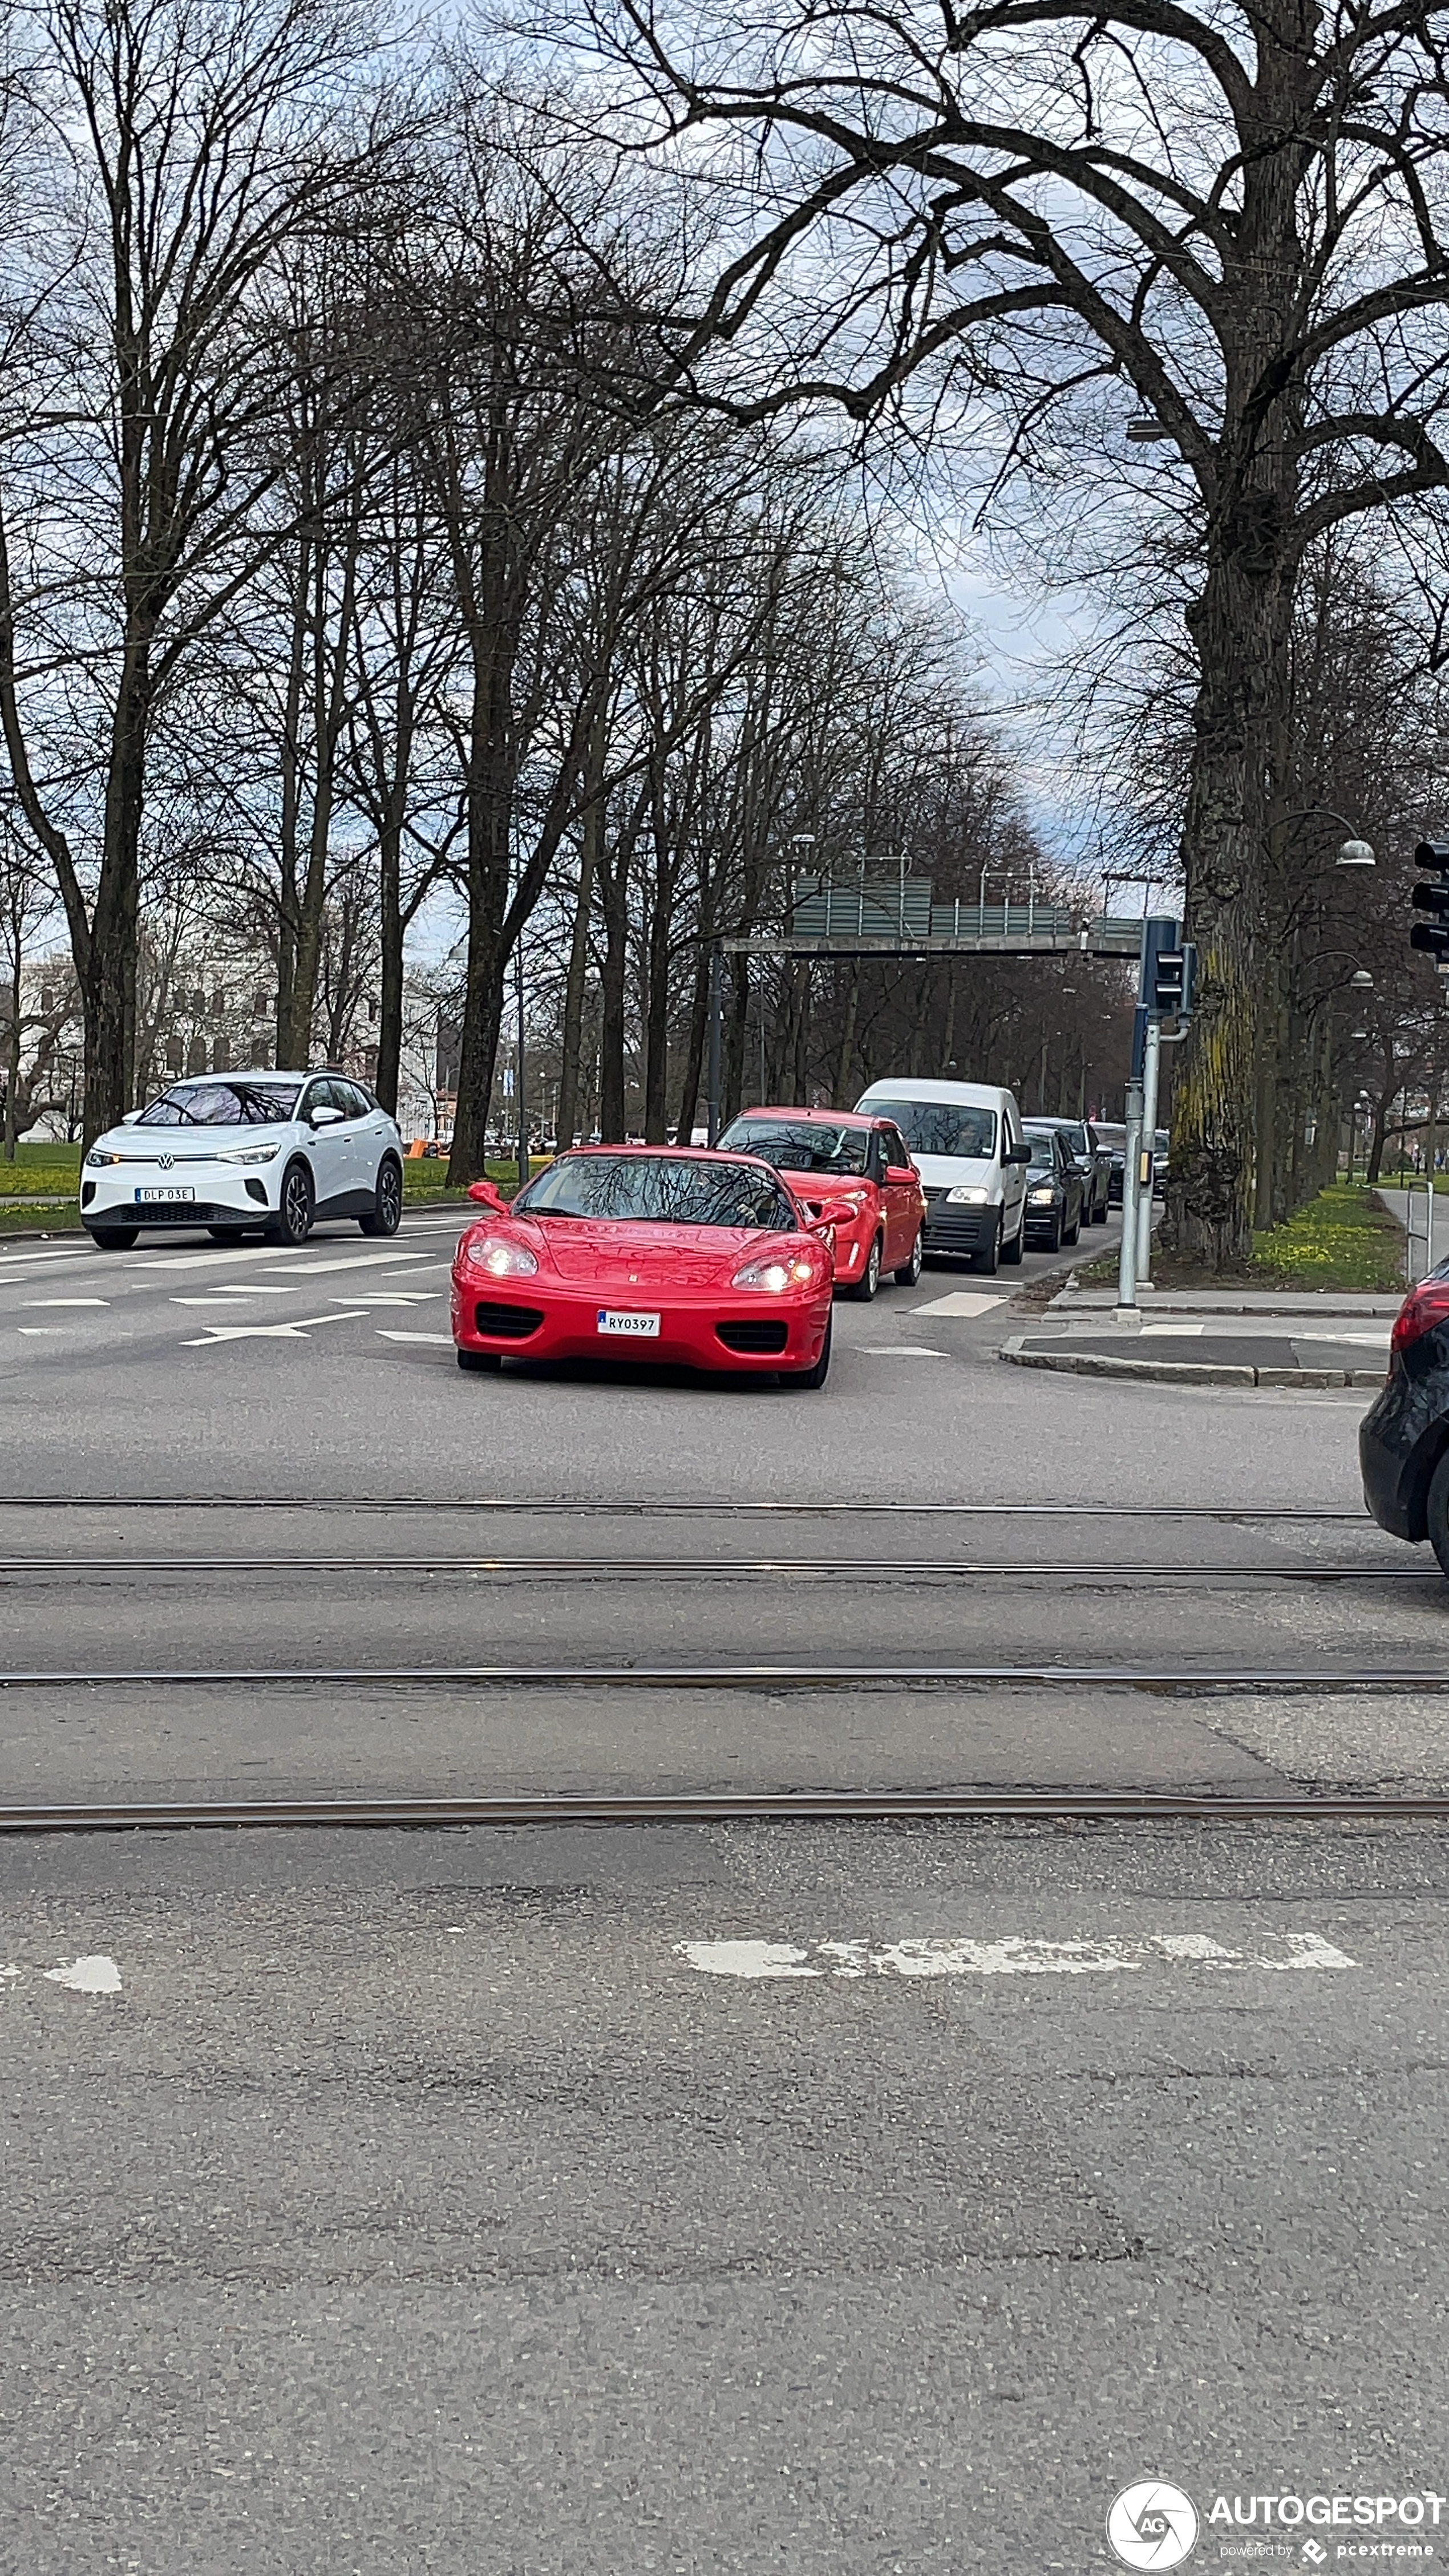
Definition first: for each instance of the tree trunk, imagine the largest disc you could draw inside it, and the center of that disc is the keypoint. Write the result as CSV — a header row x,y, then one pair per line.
x,y
694,1050
612,981
590,843
108,986
390,940
1237,625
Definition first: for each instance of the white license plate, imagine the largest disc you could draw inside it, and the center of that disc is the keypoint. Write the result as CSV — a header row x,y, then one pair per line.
x,y
643,1327
144,1198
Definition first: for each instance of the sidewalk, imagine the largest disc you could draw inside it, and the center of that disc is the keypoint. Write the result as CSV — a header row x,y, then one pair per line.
x,y
1198,1337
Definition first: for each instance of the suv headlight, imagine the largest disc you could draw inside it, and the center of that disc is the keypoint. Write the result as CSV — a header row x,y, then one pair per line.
x,y
250,1154
96,1159
501,1259
1041,1198
966,1198
794,1270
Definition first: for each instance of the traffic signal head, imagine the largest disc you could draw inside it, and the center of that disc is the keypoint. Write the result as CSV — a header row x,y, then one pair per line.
x,y
1169,968
1431,937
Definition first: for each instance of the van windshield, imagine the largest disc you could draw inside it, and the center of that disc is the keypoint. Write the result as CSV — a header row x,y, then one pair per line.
x,y
942,1127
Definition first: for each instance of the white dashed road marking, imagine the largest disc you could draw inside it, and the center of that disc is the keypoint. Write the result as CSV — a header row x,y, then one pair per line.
x,y
443,1341
422,1298
33,1304
1014,1957
963,1301
349,1261
902,1351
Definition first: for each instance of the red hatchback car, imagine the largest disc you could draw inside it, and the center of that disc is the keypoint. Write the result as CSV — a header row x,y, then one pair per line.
x,y
660,1253
845,1156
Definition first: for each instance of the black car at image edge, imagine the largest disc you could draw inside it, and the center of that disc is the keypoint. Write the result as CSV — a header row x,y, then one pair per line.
x,y
1403,1439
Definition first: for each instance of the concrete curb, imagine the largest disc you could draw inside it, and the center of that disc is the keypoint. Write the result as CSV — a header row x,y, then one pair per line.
x,y
1182,1372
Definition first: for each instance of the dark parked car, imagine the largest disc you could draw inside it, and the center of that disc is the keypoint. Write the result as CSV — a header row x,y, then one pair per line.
x,y
1115,1140
1093,1160
1055,1188
1403,1440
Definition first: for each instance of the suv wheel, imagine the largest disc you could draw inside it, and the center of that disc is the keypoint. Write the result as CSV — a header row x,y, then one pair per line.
x,y
293,1220
114,1238
386,1214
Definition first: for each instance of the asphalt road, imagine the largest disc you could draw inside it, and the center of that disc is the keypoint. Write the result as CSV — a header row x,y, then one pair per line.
x,y
565,2203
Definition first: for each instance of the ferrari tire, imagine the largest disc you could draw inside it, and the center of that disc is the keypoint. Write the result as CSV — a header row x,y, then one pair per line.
x,y
808,1379
910,1271
479,1361
293,1220
385,1215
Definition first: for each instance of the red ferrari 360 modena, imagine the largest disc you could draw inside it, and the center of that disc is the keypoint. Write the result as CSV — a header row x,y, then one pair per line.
x,y
699,1259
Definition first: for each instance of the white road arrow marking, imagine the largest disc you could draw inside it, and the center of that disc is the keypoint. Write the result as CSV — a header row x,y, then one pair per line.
x,y
295,1329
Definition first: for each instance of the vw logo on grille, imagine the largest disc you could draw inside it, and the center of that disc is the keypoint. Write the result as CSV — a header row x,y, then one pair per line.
x,y
164,1162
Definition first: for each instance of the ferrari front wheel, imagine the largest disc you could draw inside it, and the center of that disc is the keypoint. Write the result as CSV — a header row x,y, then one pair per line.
x,y
492,1361
816,1376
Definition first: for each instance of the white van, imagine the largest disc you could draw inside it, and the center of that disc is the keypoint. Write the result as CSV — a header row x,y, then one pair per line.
x,y
966,1143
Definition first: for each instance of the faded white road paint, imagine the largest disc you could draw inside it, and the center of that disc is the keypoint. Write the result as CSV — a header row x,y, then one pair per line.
x,y
37,1302
347,1261
295,1329
964,1301
1015,1956
421,1297
96,1975
902,1351
439,1341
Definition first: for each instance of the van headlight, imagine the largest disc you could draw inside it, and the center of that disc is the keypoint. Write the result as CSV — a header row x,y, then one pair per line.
x,y
966,1198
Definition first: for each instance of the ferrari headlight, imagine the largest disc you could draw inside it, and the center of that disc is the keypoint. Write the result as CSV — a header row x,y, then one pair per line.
x,y
96,1159
250,1154
502,1259
966,1198
1041,1198
774,1277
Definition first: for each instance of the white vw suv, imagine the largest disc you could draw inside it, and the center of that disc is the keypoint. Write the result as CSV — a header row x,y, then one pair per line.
x,y
246,1151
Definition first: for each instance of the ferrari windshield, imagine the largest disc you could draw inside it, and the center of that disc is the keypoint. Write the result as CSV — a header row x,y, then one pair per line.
x,y
222,1104
802,1145
658,1189
942,1127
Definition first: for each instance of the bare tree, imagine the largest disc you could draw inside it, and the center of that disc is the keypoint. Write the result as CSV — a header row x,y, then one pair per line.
x,y
1234,223
201,140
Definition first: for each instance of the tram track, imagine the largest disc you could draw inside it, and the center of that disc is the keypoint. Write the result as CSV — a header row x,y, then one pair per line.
x,y
1167,1678
637,1569
711,1807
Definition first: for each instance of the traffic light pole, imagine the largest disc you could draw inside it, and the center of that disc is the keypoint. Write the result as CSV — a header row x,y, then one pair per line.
x,y
1147,1164
1131,1169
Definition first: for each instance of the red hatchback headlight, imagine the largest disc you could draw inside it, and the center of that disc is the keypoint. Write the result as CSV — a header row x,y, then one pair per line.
x,y
1423,1308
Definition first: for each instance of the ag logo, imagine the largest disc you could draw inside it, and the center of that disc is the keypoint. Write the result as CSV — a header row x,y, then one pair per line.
x,y
1152,2525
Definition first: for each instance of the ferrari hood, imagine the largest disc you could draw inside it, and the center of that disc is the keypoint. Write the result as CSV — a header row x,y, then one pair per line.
x,y
653,1257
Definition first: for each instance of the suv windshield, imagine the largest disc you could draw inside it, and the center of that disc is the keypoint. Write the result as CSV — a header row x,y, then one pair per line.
x,y
806,1145
222,1104
655,1189
942,1127
1076,1139
1042,1150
